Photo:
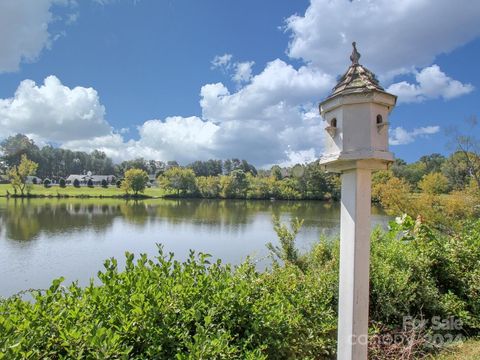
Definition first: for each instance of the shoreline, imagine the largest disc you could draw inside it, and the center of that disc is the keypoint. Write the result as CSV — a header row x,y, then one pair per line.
x,y
55,192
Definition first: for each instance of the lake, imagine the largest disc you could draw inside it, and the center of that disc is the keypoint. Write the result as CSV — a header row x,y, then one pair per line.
x,y
42,239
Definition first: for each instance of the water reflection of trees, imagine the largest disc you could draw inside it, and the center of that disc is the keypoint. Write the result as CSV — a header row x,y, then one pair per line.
x,y
26,219
242,212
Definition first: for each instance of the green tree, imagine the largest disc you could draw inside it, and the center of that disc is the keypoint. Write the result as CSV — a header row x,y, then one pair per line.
x,y
138,163
457,171
379,179
135,180
14,147
315,181
468,146
18,174
100,163
434,183
208,186
276,172
239,183
412,173
289,189
227,189
433,162
261,187
178,179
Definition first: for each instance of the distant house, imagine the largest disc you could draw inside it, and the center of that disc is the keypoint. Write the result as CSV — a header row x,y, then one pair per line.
x,y
96,179
33,180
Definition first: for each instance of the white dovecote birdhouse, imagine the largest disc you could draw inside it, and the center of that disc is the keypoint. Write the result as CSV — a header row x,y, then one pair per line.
x,y
356,115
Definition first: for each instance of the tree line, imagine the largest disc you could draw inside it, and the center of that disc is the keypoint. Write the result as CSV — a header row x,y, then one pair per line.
x,y
231,178
436,173
56,163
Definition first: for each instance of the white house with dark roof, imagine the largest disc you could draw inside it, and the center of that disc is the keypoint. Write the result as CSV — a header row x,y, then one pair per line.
x,y
96,179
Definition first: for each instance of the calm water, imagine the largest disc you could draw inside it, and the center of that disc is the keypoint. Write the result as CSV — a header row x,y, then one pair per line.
x,y
41,239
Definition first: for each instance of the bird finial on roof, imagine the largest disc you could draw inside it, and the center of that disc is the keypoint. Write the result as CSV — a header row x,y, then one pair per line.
x,y
355,54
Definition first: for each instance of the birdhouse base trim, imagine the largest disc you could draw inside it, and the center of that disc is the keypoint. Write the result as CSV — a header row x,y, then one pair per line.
x,y
365,159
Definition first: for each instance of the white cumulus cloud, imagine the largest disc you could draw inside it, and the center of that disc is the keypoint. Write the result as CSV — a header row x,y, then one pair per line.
x,y
278,85
432,83
24,30
243,72
393,36
222,62
400,136
53,112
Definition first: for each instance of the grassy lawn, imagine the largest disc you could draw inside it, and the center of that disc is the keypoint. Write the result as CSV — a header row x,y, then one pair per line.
x,y
96,191
469,350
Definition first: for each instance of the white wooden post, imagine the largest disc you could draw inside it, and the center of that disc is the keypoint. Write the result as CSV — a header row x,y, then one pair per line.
x,y
356,116
354,264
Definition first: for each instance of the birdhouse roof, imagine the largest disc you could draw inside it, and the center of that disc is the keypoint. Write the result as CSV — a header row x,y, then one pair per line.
x,y
357,78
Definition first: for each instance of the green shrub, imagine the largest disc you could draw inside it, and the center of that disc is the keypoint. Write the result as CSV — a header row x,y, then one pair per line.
x,y
104,183
47,183
165,309
62,183
162,308
90,183
76,183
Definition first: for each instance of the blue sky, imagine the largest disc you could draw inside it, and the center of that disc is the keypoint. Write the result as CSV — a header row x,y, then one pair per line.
x,y
191,80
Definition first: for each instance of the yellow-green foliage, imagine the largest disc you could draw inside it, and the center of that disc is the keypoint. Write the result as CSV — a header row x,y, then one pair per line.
x,y
135,180
18,174
208,186
438,210
178,179
262,187
434,183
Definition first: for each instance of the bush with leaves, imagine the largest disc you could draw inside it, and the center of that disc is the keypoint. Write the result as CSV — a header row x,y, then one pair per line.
x,y
47,183
76,183
104,183
160,308
62,183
